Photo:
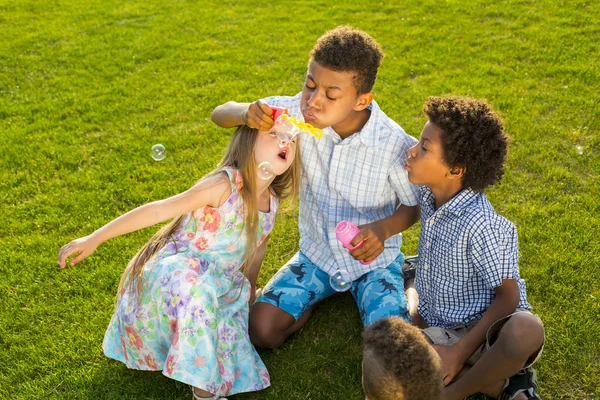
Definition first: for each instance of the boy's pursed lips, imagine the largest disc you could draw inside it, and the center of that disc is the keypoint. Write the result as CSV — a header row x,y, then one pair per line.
x,y
308,116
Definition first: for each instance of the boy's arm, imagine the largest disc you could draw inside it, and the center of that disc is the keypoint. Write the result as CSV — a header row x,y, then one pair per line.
x,y
377,232
454,357
256,115
254,269
413,304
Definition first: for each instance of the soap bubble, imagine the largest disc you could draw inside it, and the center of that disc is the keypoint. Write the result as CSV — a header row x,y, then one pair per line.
x,y
158,152
265,170
340,281
285,138
286,131
579,150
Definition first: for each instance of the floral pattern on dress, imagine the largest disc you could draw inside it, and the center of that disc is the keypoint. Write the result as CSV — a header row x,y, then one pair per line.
x,y
191,321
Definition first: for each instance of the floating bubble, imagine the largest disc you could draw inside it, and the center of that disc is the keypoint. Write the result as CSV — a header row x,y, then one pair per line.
x,y
286,132
285,138
579,150
340,281
158,152
265,170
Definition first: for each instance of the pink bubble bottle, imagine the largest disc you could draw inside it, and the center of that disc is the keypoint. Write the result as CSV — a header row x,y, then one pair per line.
x,y
345,231
277,111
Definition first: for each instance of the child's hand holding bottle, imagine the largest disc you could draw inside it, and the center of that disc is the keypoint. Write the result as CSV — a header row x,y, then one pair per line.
x,y
258,115
365,243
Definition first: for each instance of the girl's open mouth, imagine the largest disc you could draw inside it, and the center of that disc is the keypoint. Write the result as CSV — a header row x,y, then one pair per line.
x,y
283,155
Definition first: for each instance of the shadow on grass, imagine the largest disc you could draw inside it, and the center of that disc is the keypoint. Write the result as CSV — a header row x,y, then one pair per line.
x,y
326,353
115,381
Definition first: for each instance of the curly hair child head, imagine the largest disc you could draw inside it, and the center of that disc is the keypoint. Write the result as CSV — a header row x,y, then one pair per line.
x,y
346,49
399,363
473,138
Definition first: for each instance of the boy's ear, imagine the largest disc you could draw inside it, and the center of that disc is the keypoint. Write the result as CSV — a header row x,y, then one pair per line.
x,y
363,101
456,172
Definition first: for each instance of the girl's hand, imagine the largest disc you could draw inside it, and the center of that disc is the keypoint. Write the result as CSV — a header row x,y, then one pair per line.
x,y
81,247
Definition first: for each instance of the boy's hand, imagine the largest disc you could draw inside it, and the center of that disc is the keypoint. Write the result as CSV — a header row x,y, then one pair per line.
x,y
373,237
452,360
258,115
82,247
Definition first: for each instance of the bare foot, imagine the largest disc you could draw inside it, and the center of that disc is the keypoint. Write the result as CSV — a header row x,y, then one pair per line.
x,y
201,394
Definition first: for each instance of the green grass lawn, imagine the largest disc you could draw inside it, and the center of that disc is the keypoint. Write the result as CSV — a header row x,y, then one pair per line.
x,y
86,88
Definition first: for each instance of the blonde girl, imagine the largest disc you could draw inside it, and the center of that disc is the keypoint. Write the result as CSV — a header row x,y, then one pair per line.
x,y
182,303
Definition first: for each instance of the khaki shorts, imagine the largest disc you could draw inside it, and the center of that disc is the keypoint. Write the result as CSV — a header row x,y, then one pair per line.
x,y
450,336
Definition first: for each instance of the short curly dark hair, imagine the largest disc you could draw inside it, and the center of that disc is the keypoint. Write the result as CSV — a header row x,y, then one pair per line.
x,y
346,49
473,138
399,363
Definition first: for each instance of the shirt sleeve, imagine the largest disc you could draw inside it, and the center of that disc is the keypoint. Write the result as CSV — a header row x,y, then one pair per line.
x,y
292,103
495,251
407,193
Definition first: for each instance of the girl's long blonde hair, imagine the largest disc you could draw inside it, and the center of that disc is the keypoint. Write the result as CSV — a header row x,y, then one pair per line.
x,y
239,155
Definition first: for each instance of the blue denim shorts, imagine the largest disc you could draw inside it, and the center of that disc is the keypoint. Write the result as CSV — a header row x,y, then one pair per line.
x,y
300,284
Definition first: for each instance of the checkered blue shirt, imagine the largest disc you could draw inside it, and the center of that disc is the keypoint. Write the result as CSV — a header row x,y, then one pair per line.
x,y
465,251
360,179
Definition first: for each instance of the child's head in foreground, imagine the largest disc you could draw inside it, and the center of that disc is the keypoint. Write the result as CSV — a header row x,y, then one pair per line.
x,y
342,69
399,363
463,140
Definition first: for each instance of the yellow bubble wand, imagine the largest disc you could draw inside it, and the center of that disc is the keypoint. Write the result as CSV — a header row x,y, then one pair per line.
x,y
288,127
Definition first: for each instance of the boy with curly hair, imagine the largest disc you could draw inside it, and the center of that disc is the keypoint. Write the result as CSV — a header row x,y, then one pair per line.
x,y
355,173
471,298
399,363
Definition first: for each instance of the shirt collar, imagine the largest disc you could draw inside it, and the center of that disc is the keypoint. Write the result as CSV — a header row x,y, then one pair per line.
x,y
369,135
456,205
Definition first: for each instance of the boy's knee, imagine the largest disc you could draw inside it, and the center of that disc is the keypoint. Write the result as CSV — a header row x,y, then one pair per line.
x,y
524,332
266,328
266,337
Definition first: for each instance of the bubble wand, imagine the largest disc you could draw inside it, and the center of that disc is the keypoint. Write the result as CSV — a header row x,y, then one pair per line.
x,y
288,127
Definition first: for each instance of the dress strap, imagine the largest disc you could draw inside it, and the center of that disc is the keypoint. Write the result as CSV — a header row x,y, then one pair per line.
x,y
235,177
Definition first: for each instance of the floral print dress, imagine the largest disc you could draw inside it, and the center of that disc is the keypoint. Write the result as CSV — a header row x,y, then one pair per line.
x,y
192,318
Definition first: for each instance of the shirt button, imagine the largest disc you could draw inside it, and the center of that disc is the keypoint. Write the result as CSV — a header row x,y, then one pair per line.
x,y
425,266
427,286
428,244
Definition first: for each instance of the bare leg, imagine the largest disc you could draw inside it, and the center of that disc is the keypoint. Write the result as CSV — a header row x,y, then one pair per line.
x,y
518,339
492,390
270,326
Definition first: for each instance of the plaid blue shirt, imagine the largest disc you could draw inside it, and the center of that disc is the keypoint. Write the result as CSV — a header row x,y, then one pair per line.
x,y
465,251
359,179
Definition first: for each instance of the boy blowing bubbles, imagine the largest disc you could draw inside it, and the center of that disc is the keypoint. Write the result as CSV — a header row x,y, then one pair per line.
x,y
471,300
355,173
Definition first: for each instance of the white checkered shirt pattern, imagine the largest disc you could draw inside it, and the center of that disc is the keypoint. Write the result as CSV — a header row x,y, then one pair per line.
x,y
360,179
465,251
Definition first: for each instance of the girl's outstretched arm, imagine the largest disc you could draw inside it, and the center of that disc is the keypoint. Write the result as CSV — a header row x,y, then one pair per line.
x,y
210,192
